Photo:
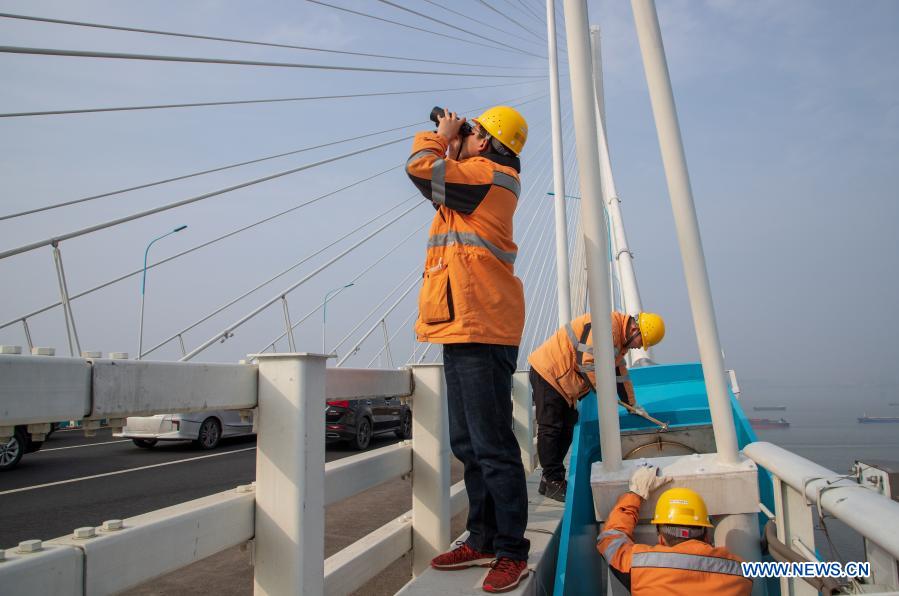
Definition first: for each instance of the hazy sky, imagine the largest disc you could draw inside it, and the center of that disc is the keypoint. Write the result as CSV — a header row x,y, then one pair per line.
x,y
789,113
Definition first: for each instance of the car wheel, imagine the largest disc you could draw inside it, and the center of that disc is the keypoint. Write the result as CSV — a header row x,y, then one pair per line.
x,y
405,429
145,443
363,434
12,450
210,434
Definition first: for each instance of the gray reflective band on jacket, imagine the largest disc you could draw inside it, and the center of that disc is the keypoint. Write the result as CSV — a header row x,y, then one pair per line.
x,y
621,539
687,562
579,347
470,239
418,155
508,182
438,181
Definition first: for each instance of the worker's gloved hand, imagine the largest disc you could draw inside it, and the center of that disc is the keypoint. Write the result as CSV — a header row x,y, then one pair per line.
x,y
644,481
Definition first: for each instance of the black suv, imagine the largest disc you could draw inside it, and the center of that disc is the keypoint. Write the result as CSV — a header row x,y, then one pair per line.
x,y
358,420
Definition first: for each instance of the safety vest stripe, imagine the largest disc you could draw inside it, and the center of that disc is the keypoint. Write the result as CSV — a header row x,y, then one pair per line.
x,y
612,548
687,562
438,181
508,182
575,343
418,155
470,239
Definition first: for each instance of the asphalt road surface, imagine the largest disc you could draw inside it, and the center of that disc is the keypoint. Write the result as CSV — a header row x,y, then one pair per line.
x,y
77,481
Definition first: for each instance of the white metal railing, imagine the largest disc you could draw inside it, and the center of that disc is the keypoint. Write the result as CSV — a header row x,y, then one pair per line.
x,y
800,486
282,515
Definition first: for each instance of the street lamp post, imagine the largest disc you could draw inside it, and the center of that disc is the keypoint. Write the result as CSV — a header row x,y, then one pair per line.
x,y
325,314
143,288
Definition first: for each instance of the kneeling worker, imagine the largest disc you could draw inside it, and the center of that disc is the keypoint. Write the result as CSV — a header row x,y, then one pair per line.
x,y
562,373
684,561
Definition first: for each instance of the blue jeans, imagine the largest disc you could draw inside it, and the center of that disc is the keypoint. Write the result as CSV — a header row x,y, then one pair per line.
x,y
479,399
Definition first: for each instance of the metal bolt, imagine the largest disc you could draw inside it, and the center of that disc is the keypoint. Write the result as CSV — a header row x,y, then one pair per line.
x,y
36,351
10,349
112,525
30,546
85,532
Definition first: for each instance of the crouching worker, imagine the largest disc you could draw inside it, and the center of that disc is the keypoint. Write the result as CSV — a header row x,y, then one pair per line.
x,y
684,561
562,373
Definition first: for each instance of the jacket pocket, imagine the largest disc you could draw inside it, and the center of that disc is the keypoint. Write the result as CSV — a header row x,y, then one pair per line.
x,y
435,303
572,384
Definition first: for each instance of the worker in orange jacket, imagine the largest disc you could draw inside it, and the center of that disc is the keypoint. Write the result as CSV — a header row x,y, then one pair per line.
x,y
684,562
472,303
562,373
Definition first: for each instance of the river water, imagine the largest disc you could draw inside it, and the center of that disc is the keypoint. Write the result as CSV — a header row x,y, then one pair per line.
x,y
826,431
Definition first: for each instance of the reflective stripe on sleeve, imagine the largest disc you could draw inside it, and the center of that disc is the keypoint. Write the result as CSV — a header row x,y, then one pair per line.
x,y
622,379
418,155
469,239
438,181
609,551
687,562
506,181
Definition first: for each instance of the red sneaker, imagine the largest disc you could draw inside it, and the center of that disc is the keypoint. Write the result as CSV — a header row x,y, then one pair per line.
x,y
462,557
505,575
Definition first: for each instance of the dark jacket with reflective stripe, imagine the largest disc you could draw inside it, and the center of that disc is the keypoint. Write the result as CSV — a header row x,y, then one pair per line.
x,y
469,293
690,568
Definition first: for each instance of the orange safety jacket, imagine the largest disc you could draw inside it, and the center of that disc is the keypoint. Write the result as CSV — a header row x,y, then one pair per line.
x,y
470,293
690,568
556,360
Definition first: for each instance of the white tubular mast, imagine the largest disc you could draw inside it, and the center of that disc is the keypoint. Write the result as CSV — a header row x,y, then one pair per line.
x,y
562,273
595,232
623,257
662,97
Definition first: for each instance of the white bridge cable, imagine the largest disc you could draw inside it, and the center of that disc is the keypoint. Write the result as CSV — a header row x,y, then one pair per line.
x,y
450,25
194,199
357,277
536,14
249,101
377,324
509,18
527,97
416,269
199,246
24,318
284,272
493,28
228,331
232,62
238,41
423,30
399,329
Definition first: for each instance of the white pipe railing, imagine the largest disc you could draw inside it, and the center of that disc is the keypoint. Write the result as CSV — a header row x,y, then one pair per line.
x,y
282,515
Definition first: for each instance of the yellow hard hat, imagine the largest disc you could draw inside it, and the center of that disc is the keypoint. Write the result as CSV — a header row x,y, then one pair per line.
x,y
652,328
681,507
506,125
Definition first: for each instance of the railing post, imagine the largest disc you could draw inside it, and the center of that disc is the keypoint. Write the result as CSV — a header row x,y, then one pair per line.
x,y
794,522
290,475
430,466
523,418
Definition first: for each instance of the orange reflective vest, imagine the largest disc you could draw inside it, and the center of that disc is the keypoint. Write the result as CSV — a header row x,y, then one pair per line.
x,y
690,568
469,293
556,360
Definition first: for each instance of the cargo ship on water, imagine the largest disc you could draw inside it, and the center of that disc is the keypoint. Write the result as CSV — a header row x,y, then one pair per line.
x,y
768,423
769,408
865,419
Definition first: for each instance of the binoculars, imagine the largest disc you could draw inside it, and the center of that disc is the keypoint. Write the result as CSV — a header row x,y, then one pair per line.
x,y
437,112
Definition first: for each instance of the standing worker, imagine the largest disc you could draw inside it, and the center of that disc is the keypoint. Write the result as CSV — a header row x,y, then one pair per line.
x,y
684,562
472,303
562,373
